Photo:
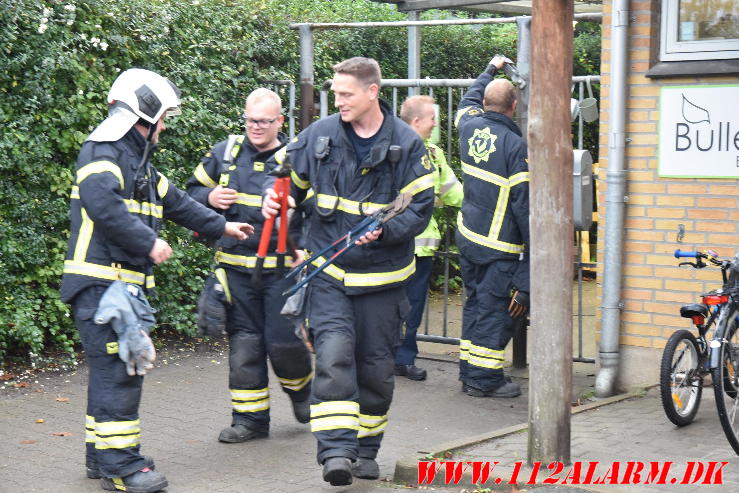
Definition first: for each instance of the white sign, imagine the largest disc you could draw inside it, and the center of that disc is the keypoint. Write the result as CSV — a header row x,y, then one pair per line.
x,y
699,132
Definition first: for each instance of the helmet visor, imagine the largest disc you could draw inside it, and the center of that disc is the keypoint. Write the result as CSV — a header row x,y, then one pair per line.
x,y
174,111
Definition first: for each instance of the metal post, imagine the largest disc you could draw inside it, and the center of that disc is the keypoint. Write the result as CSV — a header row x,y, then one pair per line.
x,y
306,74
523,64
414,51
550,154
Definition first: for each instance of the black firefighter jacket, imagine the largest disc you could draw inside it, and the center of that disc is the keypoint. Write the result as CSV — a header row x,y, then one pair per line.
x,y
112,231
235,163
493,223
335,190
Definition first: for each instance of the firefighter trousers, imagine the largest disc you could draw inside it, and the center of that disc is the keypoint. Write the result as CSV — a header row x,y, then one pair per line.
x,y
487,327
257,331
355,338
112,426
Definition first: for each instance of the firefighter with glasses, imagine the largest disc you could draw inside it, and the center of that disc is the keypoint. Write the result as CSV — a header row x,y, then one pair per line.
x,y
229,180
346,166
118,202
492,231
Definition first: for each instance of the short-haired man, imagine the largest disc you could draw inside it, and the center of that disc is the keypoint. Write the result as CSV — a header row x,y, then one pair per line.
x,y
117,203
419,112
346,165
229,180
492,231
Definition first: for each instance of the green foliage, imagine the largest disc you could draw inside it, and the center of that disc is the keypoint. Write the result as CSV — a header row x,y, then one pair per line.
x,y
58,61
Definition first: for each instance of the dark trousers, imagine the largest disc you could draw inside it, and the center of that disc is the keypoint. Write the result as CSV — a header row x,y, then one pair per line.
x,y
355,338
487,326
257,331
113,397
417,290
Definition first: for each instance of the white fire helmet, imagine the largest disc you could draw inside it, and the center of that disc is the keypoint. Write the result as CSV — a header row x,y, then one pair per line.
x,y
136,94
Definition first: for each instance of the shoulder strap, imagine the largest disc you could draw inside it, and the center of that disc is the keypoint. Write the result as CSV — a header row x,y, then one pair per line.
x,y
233,147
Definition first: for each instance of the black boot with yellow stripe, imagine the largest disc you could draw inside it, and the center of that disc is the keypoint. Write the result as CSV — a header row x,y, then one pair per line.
x,y
93,472
143,481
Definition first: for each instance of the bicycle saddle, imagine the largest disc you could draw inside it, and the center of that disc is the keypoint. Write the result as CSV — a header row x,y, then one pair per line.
x,y
693,309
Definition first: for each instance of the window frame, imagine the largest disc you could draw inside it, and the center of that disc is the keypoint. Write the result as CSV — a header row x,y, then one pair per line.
x,y
673,50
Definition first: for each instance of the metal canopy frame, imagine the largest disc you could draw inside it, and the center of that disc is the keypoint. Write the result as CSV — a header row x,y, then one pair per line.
x,y
519,7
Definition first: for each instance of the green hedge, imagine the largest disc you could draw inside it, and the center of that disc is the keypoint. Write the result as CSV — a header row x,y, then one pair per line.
x,y
58,60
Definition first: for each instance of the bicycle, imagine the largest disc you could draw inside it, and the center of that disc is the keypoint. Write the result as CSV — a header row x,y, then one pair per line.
x,y
687,359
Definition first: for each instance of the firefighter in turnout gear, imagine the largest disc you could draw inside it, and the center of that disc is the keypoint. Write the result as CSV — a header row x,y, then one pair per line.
x,y
344,167
492,231
117,204
420,114
230,180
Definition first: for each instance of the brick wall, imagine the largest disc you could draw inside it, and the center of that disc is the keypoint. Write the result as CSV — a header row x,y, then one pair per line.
x,y
653,286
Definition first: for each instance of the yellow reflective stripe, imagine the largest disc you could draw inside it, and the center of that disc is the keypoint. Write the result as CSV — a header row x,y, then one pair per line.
x,y
334,423
106,272
461,113
492,364
223,279
309,194
75,193
299,182
99,167
483,357
202,176
251,406
518,178
249,395
146,208
117,427
380,278
371,425
486,241
464,347
162,186
280,155
119,484
484,175
249,200
117,442
486,352
89,429
419,184
427,242
332,270
295,383
501,206
345,205
250,261
334,407
84,235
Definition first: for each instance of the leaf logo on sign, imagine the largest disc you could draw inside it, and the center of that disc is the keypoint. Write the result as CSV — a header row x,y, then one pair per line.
x,y
692,113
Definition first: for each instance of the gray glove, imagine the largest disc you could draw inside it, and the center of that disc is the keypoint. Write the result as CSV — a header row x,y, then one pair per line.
x,y
212,305
127,310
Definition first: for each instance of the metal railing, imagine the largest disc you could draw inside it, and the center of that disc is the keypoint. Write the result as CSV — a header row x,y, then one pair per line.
x,y
279,86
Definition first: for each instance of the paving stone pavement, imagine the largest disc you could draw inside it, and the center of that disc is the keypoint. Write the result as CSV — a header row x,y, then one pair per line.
x,y
631,430
186,403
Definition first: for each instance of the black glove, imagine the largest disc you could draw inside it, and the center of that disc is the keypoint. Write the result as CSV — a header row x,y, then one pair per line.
x,y
519,303
212,308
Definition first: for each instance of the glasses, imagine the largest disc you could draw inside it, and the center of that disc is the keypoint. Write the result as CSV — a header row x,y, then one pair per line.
x,y
250,122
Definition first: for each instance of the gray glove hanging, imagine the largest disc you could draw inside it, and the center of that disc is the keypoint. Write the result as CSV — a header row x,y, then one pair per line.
x,y
127,310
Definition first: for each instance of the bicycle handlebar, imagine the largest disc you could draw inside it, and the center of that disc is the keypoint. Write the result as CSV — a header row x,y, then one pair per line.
x,y
679,253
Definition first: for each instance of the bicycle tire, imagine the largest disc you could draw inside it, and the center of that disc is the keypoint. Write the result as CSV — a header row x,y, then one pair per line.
x,y
680,380
725,385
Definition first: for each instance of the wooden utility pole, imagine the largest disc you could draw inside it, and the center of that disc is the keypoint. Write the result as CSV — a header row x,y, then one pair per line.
x,y
550,165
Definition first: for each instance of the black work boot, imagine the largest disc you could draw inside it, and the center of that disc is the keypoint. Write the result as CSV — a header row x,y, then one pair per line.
x,y
337,471
411,372
301,409
143,481
508,389
366,468
239,433
94,472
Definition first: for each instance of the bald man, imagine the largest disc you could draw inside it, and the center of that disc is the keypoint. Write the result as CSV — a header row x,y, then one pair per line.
x,y
492,231
229,180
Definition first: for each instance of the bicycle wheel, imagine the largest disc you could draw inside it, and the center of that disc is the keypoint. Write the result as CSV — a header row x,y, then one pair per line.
x,y
680,380
725,384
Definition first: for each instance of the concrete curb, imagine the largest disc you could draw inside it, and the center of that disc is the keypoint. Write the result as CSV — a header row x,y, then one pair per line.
x,y
406,468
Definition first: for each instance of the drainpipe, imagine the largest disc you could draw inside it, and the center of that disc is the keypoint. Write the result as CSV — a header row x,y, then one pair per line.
x,y
605,382
306,74
414,51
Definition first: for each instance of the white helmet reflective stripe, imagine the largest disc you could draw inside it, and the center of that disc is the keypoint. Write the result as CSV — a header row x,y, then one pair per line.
x,y
136,94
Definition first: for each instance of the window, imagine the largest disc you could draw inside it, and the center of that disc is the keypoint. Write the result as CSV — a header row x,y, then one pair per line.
x,y
699,30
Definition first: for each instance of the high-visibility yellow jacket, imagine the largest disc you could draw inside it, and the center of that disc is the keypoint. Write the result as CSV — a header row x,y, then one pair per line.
x,y
448,191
